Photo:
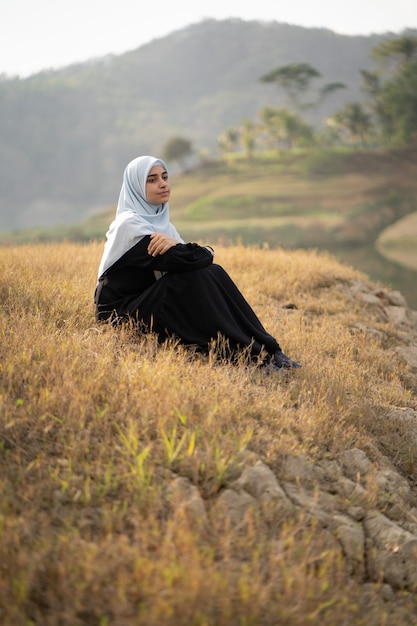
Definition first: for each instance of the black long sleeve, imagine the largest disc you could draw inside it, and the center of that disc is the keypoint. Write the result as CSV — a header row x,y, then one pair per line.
x,y
183,257
134,272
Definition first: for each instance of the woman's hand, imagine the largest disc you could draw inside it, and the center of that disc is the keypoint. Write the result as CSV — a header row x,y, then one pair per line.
x,y
160,244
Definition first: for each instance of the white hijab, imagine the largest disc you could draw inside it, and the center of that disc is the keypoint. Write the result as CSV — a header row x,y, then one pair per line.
x,y
135,216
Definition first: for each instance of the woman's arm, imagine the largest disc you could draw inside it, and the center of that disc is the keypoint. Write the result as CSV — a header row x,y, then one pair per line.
x,y
160,243
179,257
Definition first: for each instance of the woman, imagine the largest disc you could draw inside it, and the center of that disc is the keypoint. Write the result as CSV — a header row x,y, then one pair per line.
x,y
148,274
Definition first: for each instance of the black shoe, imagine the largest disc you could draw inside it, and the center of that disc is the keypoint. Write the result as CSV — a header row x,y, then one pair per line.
x,y
282,361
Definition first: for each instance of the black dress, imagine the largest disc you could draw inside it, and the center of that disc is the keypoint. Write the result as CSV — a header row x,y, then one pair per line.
x,y
195,301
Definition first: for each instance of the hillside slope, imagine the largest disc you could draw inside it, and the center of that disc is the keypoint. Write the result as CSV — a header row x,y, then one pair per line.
x,y
312,199
336,200
142,485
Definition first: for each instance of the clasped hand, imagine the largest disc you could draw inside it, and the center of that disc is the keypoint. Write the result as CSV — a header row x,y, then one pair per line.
x,y
160,243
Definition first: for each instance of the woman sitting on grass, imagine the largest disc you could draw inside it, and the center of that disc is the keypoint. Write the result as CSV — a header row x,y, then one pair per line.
x,y
149,275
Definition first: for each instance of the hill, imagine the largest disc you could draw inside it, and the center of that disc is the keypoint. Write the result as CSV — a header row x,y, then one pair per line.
x,y
142,485
66,135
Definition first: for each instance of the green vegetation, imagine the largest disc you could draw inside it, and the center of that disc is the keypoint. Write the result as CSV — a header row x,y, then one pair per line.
x,y
97,424
387,117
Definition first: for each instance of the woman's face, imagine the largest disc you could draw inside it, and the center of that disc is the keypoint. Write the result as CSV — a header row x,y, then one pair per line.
x,y
158,188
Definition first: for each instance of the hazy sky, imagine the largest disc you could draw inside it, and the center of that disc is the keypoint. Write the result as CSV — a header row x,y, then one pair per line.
x,y
41,34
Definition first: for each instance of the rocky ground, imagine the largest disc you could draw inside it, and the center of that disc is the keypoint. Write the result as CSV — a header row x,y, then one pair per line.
x,y
366,508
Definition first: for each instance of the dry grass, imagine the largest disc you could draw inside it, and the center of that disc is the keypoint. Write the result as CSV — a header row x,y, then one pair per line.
x,y
95,423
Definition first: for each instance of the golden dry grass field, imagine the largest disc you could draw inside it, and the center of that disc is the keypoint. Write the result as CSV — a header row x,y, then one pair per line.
x,y
96,423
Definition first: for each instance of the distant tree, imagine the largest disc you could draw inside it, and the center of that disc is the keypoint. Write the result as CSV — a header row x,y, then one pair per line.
x,y
248,134
228,140
352,120
294,79
286,128
392,89
270,128
397,106
404,49
371,83
328,89
177,149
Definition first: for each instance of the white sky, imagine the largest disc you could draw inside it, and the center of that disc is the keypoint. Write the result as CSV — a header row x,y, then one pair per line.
x,y
43,34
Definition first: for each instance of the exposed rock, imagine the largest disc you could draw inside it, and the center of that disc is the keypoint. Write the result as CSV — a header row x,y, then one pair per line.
x,y
373,544
318,504
408,354
351,536
300,469
187,501
405,415
388,306
369,298
392,552
387,593
356,512
261,483
357,287
331,471
393,486
355,463
398,315
374,590
393,297
235,505
371,332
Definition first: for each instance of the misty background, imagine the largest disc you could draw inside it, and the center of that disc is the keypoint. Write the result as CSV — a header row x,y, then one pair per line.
x,y
66,135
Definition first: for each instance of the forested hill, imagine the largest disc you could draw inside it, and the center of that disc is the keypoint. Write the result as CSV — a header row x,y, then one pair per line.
x,y
66,135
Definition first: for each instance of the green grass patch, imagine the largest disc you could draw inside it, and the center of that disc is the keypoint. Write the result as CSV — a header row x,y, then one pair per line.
x,y
244,207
